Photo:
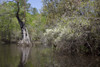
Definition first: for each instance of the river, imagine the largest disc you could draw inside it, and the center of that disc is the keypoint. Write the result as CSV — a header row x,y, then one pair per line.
x,y
40,56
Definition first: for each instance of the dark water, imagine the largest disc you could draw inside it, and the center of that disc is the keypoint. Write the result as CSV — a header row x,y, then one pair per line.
x,y
14,56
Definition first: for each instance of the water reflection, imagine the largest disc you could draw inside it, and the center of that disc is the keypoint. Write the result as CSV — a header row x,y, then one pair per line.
x,y
24,55
14,56
9,55
77,61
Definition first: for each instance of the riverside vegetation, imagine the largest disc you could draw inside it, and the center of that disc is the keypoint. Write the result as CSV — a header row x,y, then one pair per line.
x,y
69,26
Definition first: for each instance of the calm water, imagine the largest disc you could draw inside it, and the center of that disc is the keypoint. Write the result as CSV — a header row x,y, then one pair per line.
x,y
14,56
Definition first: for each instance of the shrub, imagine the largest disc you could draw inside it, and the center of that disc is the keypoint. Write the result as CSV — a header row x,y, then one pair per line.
x,y
69,34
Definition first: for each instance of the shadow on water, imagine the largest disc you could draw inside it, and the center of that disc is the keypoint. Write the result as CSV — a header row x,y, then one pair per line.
x,y
25,51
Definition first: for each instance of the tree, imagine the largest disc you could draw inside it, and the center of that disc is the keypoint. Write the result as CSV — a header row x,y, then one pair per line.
x,y
34,11
8,21
25,36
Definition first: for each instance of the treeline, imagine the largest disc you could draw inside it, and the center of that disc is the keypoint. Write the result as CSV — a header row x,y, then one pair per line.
x,y
73,25
70,26
9,27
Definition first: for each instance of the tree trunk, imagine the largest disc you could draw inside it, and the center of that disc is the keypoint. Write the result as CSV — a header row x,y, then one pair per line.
x,y
25,35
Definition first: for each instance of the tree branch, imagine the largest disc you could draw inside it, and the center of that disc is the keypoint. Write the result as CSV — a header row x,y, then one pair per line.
x,y
17,16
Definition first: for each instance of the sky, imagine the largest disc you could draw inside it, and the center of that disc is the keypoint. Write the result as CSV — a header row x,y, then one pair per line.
x,y
36,3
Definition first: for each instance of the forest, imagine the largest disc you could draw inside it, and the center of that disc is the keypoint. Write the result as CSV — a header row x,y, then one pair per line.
x,y
69,26
63,33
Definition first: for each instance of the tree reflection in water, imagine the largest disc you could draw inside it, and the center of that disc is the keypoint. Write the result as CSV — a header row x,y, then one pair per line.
x,y
24,55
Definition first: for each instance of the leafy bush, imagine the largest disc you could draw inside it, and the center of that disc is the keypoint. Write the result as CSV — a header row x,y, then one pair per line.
x,y
68,34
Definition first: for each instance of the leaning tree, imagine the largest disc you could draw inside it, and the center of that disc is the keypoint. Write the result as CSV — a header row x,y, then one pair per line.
x,y
25,40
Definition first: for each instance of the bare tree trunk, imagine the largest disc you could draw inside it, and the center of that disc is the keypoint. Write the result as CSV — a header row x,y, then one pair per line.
x,y
25,35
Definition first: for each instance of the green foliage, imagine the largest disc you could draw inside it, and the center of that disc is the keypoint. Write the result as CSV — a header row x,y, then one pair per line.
x,y
34,11
37,26
67,30
8,22
71,25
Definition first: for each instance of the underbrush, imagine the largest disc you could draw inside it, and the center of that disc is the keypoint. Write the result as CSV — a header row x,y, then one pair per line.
x,y
75,35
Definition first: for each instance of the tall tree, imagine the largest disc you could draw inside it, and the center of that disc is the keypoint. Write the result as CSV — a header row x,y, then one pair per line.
x,y
25,35
34,11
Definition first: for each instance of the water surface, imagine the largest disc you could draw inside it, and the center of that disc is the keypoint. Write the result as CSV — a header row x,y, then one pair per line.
x,y
14,56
